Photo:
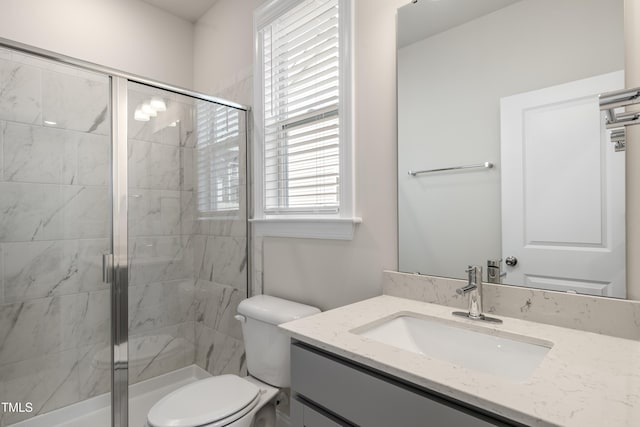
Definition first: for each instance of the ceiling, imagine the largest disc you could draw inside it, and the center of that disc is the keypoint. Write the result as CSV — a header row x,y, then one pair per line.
x,y
191,10
425,18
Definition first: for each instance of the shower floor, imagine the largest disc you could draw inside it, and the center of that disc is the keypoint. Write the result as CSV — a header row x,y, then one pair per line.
x,y
95,412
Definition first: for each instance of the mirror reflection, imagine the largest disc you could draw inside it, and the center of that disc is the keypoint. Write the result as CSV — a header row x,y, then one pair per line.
x,y
504,160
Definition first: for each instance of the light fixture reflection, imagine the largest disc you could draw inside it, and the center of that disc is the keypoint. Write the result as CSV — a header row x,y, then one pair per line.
x,y
158,104
140,115
146,108
150,108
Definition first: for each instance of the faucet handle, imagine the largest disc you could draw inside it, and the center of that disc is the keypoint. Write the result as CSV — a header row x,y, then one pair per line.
x,y
466,289
475,274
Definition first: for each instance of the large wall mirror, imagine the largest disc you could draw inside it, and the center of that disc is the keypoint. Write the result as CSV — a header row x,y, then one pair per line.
x,y
503,157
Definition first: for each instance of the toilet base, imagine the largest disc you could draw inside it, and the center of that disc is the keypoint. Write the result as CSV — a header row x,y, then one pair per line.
x,y
264,414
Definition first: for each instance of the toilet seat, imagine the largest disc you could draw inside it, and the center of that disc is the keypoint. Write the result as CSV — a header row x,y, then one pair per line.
x,y
215,401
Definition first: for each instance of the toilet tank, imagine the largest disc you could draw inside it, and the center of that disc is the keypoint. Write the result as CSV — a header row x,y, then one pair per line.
x,y
266,346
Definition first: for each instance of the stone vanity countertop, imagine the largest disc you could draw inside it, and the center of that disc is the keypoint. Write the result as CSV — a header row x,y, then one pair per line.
x,y
586,379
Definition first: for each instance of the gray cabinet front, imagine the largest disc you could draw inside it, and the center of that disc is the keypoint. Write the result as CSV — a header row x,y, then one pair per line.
x,y
303,414
348,394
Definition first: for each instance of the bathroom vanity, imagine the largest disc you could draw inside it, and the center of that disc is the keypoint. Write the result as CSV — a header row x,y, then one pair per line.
x,y
344,375
333,391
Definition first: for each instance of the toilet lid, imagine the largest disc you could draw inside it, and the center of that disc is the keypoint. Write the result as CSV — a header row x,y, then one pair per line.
x,y
203,402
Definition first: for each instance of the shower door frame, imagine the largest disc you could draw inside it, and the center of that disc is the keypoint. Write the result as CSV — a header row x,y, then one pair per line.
x,y
116,271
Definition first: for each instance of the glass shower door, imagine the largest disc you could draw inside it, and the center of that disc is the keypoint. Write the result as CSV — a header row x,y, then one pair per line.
x,y
93,164
161,291
187,240
55,224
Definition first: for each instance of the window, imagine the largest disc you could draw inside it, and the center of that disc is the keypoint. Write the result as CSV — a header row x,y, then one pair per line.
x,y
217,160
303,169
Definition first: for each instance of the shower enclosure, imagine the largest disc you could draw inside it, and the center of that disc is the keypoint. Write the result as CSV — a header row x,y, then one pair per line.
x,y
123,240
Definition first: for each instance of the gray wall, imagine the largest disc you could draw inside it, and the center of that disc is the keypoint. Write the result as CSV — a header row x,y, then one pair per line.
x,y
123,34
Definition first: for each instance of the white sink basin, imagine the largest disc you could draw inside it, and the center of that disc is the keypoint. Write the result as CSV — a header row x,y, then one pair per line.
x,y
510,356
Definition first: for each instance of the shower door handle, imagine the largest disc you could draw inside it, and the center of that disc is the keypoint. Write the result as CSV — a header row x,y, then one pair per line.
x,y
107,268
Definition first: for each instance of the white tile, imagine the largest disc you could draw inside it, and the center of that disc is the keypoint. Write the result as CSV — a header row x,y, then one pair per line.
x,y
76,103
226,227
86,212
85,318
21,88
40,154
176,296
188,169
153,165
53,267
154,212
189,221
216,306
29,211
94,160
3,126
158,352
94,369
147,318
5,53
1,274
160,259
47,381
45,211
30,328
224,261
50,325
218,353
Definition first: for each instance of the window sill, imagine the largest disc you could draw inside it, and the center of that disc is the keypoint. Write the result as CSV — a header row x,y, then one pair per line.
x,y
307,228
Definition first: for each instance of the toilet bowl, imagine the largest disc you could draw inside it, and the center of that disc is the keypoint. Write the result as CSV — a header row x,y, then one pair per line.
x,y
230,400
224,400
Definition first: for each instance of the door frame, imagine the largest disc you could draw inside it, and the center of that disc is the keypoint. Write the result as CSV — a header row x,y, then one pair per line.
x,y
120,267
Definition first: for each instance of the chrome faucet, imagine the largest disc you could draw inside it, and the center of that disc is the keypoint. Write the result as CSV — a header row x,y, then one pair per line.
x,y
474,289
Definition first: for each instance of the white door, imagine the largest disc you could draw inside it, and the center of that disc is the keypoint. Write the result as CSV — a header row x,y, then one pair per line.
x,y
563,190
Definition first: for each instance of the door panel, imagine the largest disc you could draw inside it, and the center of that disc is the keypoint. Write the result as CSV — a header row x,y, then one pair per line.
x,y
563,190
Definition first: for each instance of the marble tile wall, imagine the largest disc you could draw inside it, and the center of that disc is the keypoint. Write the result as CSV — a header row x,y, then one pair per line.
x,y
54,227
188,271
221,273
161,237
188,268
239,88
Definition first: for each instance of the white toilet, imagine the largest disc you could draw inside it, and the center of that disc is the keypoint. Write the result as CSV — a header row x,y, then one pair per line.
x,y
229,400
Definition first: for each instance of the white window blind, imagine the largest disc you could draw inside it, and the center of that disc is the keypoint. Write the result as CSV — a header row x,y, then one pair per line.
x,y
301,63
217,159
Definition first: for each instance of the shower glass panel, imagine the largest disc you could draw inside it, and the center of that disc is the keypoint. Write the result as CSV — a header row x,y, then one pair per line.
x,y
72,177
55,224
187,240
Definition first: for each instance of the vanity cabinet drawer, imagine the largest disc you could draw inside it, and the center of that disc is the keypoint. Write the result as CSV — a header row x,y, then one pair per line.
x,y
302,414
368,398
